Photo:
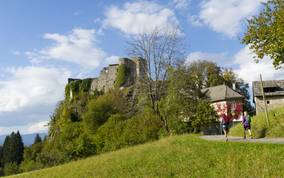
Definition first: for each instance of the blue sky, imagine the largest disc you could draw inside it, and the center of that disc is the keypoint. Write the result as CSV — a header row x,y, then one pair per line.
x,y
42,43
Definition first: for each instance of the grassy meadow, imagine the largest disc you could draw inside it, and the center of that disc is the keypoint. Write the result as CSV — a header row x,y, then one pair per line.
x,y
259,125
177,156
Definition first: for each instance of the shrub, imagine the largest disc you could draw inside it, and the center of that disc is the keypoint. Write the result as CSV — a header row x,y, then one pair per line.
x,y
11,168
121,75
75,86
30,165
86,85
101,108
142,128
108,136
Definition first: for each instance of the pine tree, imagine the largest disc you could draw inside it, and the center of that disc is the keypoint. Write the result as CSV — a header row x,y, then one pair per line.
x,y
13,149
1,156
7,151
37,139
19,148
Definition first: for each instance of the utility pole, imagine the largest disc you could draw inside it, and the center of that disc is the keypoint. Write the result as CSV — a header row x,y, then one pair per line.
x,y
264,100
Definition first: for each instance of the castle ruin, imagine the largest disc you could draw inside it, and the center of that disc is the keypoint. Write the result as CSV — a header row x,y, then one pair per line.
x,y
136,68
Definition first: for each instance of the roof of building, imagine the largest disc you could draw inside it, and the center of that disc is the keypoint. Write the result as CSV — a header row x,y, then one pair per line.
x,y
221,93
270,87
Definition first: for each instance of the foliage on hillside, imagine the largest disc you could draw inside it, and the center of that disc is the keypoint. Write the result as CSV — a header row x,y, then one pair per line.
x,y
259,125
77,88
121,75
92,123
178,156
11,154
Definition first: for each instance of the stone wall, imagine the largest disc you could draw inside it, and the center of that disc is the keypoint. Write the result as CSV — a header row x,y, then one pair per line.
x,y
136,69
141,67
272,102
106,79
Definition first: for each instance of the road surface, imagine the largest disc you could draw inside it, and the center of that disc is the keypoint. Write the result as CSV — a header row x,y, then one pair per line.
x,y
241,139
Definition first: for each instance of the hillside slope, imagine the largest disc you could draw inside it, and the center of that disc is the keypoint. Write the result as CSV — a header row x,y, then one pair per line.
x,y
177,156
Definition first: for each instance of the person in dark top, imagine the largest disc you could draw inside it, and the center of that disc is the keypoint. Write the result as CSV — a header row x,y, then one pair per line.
x,y
247,124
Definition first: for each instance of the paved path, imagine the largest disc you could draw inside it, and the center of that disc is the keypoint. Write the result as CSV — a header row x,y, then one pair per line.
x,y
241,139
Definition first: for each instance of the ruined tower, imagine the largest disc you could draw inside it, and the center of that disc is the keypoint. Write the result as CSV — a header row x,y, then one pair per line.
x,y
136,68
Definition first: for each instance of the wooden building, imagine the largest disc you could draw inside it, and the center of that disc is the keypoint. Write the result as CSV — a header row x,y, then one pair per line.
x,y
273,92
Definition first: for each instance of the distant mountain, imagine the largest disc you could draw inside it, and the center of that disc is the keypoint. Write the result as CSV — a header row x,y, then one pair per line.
x,y
28,139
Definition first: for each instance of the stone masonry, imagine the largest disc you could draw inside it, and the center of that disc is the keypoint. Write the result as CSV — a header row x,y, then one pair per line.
x,y
136,69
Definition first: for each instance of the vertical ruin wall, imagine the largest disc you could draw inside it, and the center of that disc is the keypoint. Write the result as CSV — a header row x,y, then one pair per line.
x,y
136,68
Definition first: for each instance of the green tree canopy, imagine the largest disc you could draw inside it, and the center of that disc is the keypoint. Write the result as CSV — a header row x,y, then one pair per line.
x,y
265,32
13,149
37,139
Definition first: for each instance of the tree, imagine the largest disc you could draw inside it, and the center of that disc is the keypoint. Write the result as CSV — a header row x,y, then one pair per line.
x,y
265,32
101,108
209,74
1,155
185,106
37,139
205,74
161,49
13,148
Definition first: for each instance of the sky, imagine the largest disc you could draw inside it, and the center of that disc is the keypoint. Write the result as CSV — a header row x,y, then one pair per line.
x,y
42,43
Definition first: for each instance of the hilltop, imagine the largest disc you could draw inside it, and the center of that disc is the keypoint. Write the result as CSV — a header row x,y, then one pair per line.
x,y
177,156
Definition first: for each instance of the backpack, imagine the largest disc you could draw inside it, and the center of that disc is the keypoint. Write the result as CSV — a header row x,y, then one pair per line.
x,y
247,120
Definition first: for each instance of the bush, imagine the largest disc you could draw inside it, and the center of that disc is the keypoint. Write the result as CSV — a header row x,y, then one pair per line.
x,y
120,131
121,75
30,165
73,142
108,136
11,168
86,85
101,108
141,128
75,86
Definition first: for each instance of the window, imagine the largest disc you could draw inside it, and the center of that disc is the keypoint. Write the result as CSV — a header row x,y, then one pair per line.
x,y
270,89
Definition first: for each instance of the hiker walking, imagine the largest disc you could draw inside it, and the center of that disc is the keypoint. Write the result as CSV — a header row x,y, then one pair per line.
x,y
225,124
246,123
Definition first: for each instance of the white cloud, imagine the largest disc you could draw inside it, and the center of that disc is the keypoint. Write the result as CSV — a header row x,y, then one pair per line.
x,y
140,17
243,63
226,16
31,87
39,127
219,58
112,60
181,4
29,96
250,71
78,47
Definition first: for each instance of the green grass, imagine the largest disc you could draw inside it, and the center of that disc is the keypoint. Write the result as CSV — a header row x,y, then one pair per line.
x,y
259,125
177,156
